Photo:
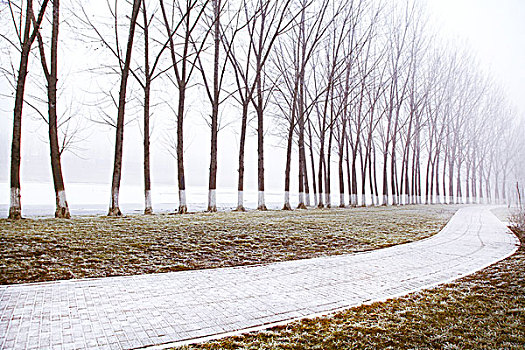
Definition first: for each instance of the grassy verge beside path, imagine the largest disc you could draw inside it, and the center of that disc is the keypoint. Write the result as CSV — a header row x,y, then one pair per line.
x,y
485,310
35,250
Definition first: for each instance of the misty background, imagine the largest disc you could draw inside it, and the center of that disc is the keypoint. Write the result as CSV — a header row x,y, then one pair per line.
x,y
494,31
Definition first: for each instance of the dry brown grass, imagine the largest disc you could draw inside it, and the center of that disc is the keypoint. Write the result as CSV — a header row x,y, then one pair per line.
x,y
50,249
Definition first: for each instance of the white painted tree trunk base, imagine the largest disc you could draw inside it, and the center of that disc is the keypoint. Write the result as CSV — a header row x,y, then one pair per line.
x,y
148,208
212,201
15,207
301,201
240,198
287,205
62,209
240,201
260,202
183,207
320,202
353,200
114,209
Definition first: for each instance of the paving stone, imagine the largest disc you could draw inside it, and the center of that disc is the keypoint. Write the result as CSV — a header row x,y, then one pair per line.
x,y
134,311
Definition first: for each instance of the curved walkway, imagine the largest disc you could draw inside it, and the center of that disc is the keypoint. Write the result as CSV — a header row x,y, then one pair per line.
x,y
144,310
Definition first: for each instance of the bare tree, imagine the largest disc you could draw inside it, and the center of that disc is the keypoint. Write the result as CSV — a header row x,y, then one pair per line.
x,y
151,70
148,75
25,36
184,63
239,54
114,209
213,91
272,20
51,76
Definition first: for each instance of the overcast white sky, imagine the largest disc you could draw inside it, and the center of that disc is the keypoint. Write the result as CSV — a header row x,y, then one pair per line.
x,y
494,30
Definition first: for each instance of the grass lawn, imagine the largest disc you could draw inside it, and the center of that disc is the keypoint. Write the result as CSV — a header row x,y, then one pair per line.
x,y
485,310
50,249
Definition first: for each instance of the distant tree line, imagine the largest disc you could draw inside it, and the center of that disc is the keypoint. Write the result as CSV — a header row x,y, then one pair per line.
x,y
361,91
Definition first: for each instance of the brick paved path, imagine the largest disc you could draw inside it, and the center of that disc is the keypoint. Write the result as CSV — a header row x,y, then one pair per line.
x,y
136,311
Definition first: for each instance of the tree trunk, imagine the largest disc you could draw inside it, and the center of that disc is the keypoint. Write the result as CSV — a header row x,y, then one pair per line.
x,y
393,177
15,206
306,183
312,162
287,170
414,186
418,167
481,199
373,194
301,204
451,178
260,150
427,183
364,165
62,209
375,178
353,202
320,203
474,182
242,142
419,192
385,177
114,209
348,171
432,201
467,185
406,200
444,179
438,196
148,208
459,194
428,176
340,170
212,188
182,78
328,198
183,207
260,126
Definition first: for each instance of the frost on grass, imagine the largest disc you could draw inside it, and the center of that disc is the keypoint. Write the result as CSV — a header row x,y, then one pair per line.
x,y
485,310
51,249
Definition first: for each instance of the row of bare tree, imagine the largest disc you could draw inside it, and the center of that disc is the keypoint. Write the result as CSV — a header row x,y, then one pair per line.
x,y
375,83
358,90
